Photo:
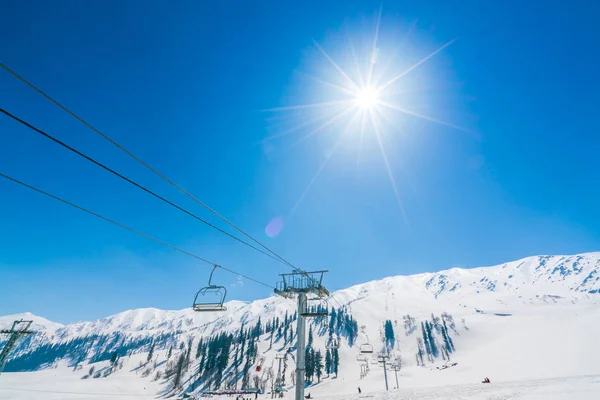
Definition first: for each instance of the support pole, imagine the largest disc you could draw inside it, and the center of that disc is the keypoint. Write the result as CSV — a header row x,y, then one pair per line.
x,y
300,346
385,375
19,328
396,372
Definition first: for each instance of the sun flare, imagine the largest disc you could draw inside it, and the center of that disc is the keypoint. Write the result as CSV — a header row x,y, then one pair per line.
x,y
362,100
367,98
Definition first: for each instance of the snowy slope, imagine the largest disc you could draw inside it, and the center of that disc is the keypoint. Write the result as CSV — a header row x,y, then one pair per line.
x,y
532,318
39,323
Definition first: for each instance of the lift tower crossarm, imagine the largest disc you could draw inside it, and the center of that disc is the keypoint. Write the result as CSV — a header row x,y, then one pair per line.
x,y
19,328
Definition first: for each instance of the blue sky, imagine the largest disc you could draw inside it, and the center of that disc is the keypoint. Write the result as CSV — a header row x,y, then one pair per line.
x,y
184,85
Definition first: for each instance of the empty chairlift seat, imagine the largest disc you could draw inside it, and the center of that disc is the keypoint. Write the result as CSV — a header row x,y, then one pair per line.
x,y
211,297
315,308
366,348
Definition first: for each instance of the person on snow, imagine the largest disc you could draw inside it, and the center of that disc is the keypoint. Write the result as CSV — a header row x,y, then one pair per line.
x,y
359,391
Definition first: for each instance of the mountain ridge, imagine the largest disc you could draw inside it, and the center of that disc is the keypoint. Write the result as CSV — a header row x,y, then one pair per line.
x,y
566,276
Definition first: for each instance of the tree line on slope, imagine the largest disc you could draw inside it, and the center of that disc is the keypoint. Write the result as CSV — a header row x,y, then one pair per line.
x,y
428,346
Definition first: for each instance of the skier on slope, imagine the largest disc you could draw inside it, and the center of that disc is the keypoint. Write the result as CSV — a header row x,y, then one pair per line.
x,y
359,391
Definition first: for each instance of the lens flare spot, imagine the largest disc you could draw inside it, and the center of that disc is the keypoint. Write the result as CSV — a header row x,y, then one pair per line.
x,y
274,228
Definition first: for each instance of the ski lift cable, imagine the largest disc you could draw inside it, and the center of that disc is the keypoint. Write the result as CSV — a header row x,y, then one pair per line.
x,y
156,172
143,163
119,175
173,247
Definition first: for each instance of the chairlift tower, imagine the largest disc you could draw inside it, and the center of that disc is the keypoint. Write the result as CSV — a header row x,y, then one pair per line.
x,y
19,328
302,284
279,379
382,359
396,367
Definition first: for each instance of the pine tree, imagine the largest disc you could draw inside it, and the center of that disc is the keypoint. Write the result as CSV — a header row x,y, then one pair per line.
x,y
310,336
201,364
308,364
389,334
188,354
150,353
425,339
328,362
336,361
420,351
113,359
447,339
199,348
179,372
169,352
258,328
318,365
432,343
246,376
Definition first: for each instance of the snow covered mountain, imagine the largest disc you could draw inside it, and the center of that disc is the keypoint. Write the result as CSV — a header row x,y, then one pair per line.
x,y
491,303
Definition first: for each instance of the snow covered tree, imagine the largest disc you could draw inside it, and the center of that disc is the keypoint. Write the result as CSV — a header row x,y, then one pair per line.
x,y
436,323
446,346
447,339
150,353
199,348
283,371
432,344
420,352
169,352
409,325
426,339
246,375
446,317
310,336
177,381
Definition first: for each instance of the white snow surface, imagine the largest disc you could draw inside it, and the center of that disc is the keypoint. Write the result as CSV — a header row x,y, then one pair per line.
x,y
39,323
531,326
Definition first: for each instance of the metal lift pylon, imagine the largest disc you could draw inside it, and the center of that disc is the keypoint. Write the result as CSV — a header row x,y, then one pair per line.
x,y
301,284
19,328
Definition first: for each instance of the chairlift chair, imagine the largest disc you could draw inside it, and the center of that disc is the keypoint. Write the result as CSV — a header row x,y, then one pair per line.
x,y
310,311
211,292
366,348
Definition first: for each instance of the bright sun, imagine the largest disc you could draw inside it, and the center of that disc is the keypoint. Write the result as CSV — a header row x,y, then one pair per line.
x,y
367,98
364,101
